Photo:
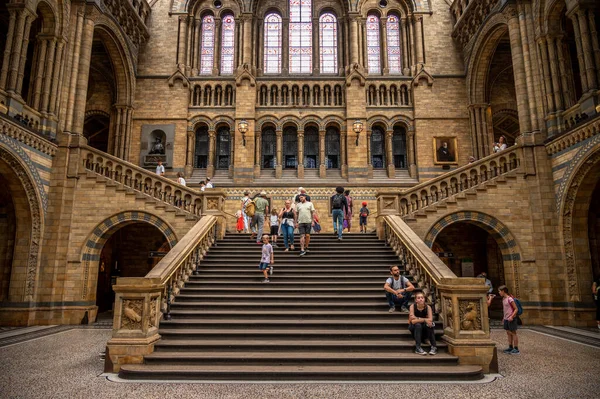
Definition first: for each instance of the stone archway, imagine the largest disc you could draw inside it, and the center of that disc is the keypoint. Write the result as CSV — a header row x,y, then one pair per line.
x,y
506,241
580,182
101,234
23,180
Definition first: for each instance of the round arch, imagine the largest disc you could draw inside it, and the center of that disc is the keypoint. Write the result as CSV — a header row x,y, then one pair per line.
x,y
198,121
14,162
574,198
92,247
506,241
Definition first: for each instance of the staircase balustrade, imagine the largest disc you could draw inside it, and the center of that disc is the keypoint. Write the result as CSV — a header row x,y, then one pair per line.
x,y
23,135
460,302
449,184
141,302
146,182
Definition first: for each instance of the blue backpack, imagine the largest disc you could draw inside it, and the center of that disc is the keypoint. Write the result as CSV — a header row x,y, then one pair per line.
x,y
519,306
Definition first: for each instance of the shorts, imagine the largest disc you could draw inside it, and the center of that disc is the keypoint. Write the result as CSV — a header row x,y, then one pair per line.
x,y
363,220
263,266
511,325
304,228
274,230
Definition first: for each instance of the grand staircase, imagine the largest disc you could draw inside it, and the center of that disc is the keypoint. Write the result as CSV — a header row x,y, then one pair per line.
x,y
323,317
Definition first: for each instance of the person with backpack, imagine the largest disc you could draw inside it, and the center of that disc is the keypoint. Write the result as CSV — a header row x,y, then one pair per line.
x,y
364,214
245,201
510,312
260,214
339,206
398,290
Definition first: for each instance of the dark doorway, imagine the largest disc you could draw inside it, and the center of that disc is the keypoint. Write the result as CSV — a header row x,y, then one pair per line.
x,y
201,148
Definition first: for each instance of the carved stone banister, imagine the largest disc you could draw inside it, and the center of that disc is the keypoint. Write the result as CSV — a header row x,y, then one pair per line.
x,y
146,182
22,134
449,184
141,302
459,301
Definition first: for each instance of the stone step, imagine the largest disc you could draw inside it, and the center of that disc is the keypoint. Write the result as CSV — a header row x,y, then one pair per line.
x,y
287,323
301,372
226,296
281,305
303,314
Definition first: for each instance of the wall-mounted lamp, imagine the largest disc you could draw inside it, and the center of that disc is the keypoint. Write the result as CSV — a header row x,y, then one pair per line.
x,y
358,127
243,128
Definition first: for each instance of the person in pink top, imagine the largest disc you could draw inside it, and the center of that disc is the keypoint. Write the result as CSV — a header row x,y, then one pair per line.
x,y
510,320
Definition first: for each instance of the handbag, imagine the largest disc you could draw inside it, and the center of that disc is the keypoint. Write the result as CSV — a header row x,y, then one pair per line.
x,y
317,227
345,223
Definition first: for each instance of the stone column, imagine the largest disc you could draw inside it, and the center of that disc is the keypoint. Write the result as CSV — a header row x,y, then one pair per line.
x,y
369,159
50,71
196,46
181,52
389,154
74,70
543,46
555,73
247,19
300,154
480,132
39,74
189,165
85,57
419,39
279,166
520,77
12,27
257,149
595,39
403,37
566,75
353,39
19,48
217,48
260,52
316,49
343,160
528,60
384,46
322,166
588,55
189,51
412,167
362,39
580,56
285,46
212,141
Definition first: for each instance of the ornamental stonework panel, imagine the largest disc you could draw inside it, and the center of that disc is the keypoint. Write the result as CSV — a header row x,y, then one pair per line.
x,y
470,315
131,318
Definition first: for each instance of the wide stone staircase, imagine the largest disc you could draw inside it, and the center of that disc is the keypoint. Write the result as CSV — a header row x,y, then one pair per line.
x,y
323,317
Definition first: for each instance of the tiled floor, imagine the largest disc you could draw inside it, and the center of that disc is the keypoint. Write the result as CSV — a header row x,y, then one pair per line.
x,y
67,365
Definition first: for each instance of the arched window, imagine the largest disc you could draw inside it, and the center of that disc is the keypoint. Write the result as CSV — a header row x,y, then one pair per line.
x,y
300,36
399,147
373,49
393,44
269,150
272,56
223,148
377,148
201,149
332,148
311,148
328,42
227,45
290,147
207,50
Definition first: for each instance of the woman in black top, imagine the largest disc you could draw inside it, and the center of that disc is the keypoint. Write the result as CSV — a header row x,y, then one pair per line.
x,y
288,217
421,324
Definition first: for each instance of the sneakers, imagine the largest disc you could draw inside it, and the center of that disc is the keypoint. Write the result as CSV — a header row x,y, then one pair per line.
x,y
420,351
307,250
266,280
302,253
508,350
433,351
335,232
404,309
271,271
515,351
275,246
392,309
339,238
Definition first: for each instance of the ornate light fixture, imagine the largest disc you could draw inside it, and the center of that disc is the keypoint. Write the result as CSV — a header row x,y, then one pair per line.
x,y
358,127
243,128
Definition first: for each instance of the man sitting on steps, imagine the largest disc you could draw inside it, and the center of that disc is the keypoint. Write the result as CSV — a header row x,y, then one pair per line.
x,y
398,290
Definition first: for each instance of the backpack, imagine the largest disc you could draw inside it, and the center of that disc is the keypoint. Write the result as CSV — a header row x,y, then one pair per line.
x,y
337,201
250,208
519,306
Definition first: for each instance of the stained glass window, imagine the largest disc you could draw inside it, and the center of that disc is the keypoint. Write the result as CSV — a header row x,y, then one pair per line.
x,y
373,49
300,36
207,50
272,57
328,38
227,44
393,44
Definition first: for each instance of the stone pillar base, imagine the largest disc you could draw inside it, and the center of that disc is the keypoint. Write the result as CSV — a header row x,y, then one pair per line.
x,y
482,354
256,171
127,351
210,171
188,171
345,171
391,171
300,171
412,171
278,171
322,171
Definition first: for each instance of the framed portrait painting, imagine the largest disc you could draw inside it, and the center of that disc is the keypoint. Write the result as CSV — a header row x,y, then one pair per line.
x,y
445,150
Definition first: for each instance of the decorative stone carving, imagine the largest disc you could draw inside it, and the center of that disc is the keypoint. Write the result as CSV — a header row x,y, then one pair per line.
x,y
153,321
131,318
470,315
448,314
212,204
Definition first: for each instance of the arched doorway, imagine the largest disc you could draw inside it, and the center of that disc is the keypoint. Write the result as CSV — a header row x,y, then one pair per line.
x,y
378,148
290,147
201,148
96,130
332,148
223,149
399,147
131,251
311,147
269,148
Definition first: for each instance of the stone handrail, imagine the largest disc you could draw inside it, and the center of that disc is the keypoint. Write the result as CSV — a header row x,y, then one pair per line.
x,y
141,302
144,181
459,301
22,134
449,184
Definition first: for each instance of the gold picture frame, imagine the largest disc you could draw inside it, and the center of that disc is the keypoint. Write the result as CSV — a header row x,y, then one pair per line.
x,y
447,156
